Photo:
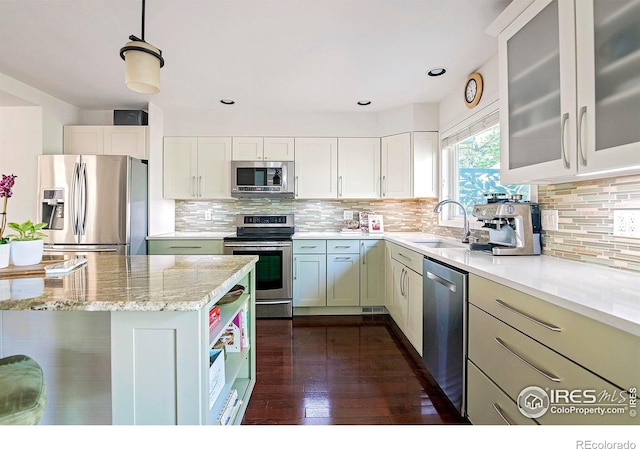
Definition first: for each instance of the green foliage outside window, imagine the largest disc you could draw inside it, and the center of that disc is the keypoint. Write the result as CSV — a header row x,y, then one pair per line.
x,y
479,169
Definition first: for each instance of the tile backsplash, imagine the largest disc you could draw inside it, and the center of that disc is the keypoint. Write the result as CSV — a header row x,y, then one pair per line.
x,y
585,212
310,215
585,221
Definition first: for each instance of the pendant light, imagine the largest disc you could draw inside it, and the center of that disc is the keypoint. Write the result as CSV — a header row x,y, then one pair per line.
x,y
142,63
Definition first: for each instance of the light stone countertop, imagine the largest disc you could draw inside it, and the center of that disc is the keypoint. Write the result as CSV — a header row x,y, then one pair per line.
x,y
607,295
129,283
198,235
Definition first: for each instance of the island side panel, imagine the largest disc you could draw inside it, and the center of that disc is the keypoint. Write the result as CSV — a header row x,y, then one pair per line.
x,y
155,367
74,350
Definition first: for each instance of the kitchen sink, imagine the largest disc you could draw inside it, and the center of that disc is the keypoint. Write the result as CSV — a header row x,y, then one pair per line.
x,y
440,244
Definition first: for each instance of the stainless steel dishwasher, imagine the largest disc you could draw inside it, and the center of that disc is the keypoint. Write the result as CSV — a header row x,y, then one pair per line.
x,y
444,344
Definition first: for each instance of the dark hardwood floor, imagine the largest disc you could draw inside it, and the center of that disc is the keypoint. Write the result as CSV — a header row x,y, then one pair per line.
x,y
351,370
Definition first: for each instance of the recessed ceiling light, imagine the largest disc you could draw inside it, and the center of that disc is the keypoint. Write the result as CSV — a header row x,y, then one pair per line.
x,y
226,101
364,103
436,71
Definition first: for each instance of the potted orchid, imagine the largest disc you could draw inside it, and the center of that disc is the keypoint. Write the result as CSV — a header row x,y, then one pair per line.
x,y
6,186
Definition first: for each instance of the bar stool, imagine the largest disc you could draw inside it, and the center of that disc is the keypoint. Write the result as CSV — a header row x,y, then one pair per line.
x,y
22,390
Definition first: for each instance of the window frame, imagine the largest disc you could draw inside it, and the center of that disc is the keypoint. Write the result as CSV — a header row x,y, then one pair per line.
x,y
451,215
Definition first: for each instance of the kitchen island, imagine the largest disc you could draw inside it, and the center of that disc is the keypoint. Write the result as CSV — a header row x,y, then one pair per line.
x,y
127,340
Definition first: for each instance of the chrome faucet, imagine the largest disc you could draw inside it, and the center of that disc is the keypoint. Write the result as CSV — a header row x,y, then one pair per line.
x,y
466,233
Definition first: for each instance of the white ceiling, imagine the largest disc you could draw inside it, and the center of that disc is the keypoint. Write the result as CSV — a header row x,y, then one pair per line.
x,y
319,55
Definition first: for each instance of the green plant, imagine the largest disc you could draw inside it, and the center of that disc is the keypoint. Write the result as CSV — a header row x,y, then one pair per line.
x,y
27,231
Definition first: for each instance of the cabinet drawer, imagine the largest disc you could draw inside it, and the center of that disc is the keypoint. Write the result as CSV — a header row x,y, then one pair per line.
x,y
185,246
408,258
343,246
579,338
309,246
514,361
487,404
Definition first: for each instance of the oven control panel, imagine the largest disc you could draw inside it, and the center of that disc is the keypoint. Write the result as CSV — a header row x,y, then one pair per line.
x,y
264,220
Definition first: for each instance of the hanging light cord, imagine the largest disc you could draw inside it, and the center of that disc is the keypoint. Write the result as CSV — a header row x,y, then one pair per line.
x,y
123,50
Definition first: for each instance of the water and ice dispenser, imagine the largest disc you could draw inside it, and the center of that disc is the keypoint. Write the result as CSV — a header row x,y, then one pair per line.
x,y
53,208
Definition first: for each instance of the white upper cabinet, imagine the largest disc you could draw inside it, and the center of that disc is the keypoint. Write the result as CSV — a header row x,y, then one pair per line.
x,y
214,167
571,98
410,165
279,149
248,148
396,166
608,83
197,167
538,120
359,167
111,140
263,149
316,166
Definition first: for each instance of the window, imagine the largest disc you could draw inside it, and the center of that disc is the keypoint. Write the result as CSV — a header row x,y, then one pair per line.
x,y
471,168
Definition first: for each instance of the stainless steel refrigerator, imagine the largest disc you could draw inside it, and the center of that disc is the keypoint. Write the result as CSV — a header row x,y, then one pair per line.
x,y
93,203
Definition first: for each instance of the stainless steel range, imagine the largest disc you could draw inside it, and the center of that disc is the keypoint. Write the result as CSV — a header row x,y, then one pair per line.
x,y
269,237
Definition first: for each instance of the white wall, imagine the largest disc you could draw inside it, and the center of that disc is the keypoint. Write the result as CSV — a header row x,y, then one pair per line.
x,y
161,211
410,117
453,110
179,122
20,145
55,113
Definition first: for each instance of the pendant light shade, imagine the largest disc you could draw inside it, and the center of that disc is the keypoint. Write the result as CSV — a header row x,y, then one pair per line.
x,y
142,63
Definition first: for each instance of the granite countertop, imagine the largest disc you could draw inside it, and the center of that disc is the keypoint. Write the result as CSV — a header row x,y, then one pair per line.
x,y
129,283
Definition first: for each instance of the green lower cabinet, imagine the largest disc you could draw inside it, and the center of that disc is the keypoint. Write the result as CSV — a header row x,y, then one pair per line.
x,y
185,246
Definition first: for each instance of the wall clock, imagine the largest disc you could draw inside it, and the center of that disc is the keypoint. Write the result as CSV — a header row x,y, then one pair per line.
x,y
473,90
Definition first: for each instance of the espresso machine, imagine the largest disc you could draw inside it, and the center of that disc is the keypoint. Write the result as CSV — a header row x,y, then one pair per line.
x,y
514,226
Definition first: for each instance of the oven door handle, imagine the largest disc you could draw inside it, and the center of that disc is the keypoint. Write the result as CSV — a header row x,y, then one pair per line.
x,y
258,246
260,302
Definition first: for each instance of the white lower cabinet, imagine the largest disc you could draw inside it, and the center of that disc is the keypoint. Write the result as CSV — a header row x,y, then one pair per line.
x,y
406,293
161,368
309,273
372,276
343,273
338,273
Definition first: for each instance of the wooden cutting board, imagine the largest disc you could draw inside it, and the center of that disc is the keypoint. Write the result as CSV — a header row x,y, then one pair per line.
x,y
28,270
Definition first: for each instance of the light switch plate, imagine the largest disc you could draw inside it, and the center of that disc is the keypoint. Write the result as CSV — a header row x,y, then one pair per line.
x,y
549,220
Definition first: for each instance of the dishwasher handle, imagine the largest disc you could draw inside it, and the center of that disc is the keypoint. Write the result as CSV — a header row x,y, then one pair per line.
x,y
449,285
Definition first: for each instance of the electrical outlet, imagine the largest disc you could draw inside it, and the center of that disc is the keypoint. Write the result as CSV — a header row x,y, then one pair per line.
x,y
208,215
347,215
549,219
626,223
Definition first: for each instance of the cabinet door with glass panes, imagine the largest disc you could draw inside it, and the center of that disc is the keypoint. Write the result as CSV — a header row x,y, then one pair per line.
x,y
608,63
536,57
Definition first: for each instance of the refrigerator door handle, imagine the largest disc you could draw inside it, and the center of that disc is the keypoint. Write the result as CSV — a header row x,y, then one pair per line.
x,y
74,191
83,198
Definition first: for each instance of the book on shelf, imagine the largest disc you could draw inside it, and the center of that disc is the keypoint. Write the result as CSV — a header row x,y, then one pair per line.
x,y
230,408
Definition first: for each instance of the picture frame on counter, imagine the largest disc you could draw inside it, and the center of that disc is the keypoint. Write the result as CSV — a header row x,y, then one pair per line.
x,y
376,224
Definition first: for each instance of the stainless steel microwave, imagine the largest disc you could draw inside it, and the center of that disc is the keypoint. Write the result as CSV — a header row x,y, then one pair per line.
x,y
261,179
